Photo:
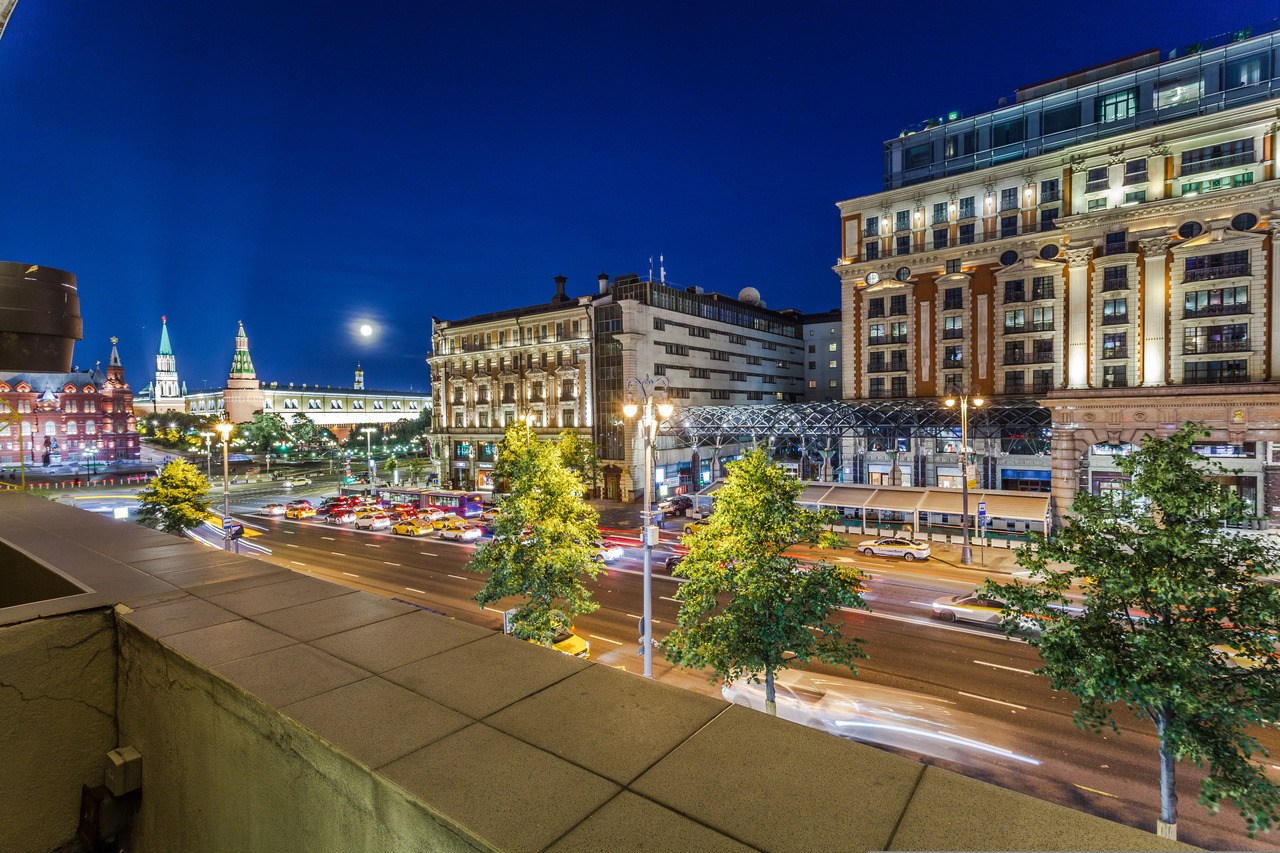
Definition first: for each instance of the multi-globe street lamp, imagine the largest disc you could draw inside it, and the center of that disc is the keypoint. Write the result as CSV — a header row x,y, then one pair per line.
x,y
225,428
955,395
648,393
208,456
368,450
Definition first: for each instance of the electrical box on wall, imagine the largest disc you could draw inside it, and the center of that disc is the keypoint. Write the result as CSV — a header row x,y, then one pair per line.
x,y
124,770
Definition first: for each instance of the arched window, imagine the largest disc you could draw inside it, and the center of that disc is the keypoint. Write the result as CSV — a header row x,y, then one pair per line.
x,y
71,427
89,427
50,428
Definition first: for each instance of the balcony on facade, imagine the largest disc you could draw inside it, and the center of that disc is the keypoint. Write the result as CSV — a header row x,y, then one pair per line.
x,y
1050,196
953,362
1216,310
952,334
1215,273
1033,357
1097,186
953,304
1115,319
966,238
1201,166
1119,248
1115,352
1208,347
877,340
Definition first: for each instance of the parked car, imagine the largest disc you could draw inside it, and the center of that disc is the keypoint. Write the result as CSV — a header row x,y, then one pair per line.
x,y
895,546
695,526
341,516
675,505
378,521
273,509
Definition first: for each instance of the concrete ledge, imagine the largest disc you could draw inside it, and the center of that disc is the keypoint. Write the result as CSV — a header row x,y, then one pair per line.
x,y
275,711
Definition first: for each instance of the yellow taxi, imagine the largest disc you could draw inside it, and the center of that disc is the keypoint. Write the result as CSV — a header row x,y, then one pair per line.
x,y
448,521
569,643
410,528
299,512
695,526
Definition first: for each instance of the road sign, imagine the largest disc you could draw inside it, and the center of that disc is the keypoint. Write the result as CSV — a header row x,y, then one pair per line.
x,y
982,508
228,522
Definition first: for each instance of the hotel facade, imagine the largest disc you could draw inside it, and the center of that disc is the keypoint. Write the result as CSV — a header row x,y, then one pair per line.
x,y
1102,248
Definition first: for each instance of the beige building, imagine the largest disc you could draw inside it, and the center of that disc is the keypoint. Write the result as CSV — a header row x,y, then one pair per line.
x,y
1104,246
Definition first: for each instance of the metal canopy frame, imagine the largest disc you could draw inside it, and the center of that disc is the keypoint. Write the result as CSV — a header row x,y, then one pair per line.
x,y
806,425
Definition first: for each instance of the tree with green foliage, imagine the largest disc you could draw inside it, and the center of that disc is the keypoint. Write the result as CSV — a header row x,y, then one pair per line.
x,y
416,468
749,608
542,546
1174,624
266,430
581,456
175,501
175,429
303,432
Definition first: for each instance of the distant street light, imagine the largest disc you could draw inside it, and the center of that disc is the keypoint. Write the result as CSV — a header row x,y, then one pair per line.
x,y
208,456
368,450
225,428
974,393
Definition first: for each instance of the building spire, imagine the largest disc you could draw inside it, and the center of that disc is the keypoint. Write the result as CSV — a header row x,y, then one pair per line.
x,y
359,378
242,365
165,348
115,356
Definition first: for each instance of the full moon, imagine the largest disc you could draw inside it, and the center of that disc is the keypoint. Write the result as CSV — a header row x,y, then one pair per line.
x,y
366,330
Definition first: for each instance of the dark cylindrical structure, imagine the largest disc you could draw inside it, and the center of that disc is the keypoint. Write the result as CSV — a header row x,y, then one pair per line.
x,y
39,318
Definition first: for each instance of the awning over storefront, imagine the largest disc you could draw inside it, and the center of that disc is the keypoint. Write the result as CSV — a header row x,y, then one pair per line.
x,y
1011,506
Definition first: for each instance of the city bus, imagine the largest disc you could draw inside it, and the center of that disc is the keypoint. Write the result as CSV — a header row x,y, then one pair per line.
x,y
461,504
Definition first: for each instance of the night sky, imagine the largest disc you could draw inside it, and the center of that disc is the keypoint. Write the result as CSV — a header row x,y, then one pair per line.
x,y
307,167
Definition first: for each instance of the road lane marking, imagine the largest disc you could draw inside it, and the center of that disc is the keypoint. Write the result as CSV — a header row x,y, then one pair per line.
x,y
290,545
667,598
336,554
330,538
418,591
654,621
459,577
296,563
348,574
491,610
371,545
932,623
988,699
1096,791
998,666
389,563
606,639
289,532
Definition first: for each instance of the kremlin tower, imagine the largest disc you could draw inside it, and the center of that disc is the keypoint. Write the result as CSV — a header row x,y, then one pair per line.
x,y
243,396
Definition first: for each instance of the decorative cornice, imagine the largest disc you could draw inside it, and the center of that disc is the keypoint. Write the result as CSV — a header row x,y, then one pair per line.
x,y
1156,247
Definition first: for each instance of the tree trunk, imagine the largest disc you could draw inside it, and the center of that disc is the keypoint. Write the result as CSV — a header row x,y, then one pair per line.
x,y
1167,826
770,703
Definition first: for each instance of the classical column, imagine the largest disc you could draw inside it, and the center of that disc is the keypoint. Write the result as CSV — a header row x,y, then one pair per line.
x,y
1078,316
1155,309
1066,470
1273,308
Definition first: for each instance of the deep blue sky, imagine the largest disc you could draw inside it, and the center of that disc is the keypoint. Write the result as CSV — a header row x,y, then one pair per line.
x,y
307,166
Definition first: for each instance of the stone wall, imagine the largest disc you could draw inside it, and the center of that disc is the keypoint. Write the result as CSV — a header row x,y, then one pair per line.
x,y
57,723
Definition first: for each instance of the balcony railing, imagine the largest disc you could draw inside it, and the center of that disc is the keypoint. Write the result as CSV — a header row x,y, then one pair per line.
x,y
873,313
1115,382
1115,319
952,334
1221,379
1042,326
953,305
1014,296
953,362
1215,273
1011,387
1016,357
1015,329
1050,195
939,219
1202,347
1097,186
1216,310
875,341
897,339
978,236
877,367
1042,357
1041,387
1201,166
1115,284
1119,248
1116,352
1131,178
875,393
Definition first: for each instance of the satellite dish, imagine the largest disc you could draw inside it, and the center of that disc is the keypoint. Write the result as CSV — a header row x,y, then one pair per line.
x,y
749,295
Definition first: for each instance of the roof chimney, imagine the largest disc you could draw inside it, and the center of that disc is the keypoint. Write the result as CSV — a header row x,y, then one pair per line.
x,y
603,278
560,297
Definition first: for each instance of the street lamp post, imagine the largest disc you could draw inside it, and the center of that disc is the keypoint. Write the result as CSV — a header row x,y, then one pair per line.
x,y
225,428
974,393
368,452
208,456
646,392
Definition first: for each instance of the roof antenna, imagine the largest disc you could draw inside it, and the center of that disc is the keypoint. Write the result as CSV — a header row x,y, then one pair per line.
x,y
662,270
651,268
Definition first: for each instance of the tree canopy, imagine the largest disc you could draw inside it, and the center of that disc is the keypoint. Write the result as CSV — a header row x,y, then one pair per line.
x,y
581,456
175,501
542,546
750,609
1174,624
265,431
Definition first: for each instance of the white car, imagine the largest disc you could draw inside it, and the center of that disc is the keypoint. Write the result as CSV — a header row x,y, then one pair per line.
x,y
606,552
373,522
462,533
974,608
273,509
881,715
895,546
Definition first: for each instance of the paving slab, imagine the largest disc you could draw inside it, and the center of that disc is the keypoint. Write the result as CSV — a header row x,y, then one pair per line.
x,y
228,641
283,676
155,550
954,812
634,722
327,616
241,569
203,558
632,824
175,617
783,787
487,675
263,599
384,646
374,721
503,792
267,574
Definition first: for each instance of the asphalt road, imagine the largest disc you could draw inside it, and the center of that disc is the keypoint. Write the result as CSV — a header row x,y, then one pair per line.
x,y
1032,744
